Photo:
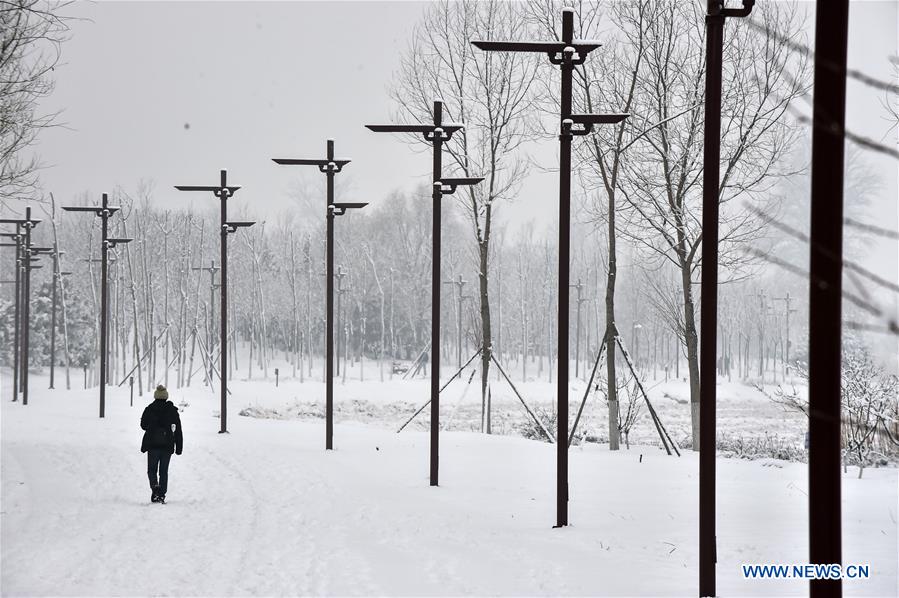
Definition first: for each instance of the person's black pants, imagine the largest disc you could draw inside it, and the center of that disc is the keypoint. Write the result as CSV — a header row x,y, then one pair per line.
x,y
158,460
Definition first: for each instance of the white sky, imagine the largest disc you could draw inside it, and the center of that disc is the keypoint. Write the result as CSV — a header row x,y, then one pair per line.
x,y
256,80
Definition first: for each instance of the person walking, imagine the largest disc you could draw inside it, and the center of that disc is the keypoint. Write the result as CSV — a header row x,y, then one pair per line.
x,y
162,437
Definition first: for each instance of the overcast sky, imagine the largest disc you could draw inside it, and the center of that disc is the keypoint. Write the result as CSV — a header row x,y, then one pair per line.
x,y
174,91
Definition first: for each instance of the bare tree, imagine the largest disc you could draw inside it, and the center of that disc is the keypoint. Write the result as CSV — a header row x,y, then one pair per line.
x,y
374,270
31,35
489,93
633,407
608,82
58,280
869,403
662,176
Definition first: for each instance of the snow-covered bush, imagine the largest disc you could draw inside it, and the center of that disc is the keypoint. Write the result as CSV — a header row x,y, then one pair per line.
x,y
529,428
632,407
869,407
769,446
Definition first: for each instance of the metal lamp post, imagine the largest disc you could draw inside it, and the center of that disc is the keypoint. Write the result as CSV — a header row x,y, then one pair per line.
x,y
212,269
436,133
337,209
22,237
222,191
27,257
104,212
577,327
787,311
341,274
708,314
825,292
110,260
566,53
110,243
18,238
460,284
329,166
30,260
57,280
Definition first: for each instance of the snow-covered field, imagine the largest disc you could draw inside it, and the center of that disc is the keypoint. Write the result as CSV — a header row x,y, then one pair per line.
x,y
743,412
265,510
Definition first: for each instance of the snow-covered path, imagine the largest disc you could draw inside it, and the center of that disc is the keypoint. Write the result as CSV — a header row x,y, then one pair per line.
x,y
265,510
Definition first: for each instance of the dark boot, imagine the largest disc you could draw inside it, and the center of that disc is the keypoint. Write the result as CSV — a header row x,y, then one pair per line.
x,y
155,496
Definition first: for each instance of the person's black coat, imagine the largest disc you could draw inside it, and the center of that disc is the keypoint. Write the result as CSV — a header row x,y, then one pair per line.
x,y
157,421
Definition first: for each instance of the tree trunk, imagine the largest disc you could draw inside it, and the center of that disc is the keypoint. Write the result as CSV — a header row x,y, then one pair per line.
x,y
692,342
611,329
486,333
165,286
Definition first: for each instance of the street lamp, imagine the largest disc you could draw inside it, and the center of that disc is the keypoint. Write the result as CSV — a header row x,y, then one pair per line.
x,y
27,256
577,330
341,274
329,166
23,275
436,133
787,311
18,239
222,191
566,53
110,260
31,254
825,292
16,291
335,209
104,212
460,284
212,269
57,281
708,314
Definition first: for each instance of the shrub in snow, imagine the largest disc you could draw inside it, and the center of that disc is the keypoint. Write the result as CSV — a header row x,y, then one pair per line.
x,y
870,415
769,446
529,428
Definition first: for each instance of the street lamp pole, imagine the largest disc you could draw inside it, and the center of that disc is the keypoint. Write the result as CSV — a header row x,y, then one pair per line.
x,y
222,191
329,166
31,252
31,257
825,292
99,260
708,341
18,237
212,269
787,311
25,252
436,133
341,274
26,308
577,328
460,284
57,280
565,53
104,212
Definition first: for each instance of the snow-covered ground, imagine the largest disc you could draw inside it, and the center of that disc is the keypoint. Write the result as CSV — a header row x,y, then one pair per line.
x,y
265,510
743,412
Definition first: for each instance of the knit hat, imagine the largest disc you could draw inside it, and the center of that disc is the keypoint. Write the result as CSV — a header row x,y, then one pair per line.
x,y
161,393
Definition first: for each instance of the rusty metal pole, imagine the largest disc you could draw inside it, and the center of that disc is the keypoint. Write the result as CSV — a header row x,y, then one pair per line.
x,y
26,305
329,166
825,291
436,133
565,53
708,341
222,192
